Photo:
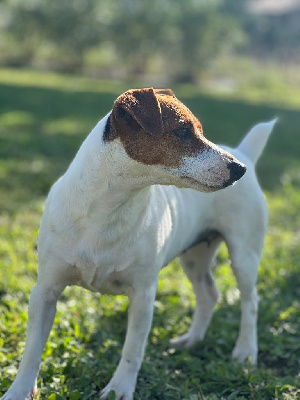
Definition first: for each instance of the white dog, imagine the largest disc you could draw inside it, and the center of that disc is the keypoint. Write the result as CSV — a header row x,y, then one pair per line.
x,y
110,224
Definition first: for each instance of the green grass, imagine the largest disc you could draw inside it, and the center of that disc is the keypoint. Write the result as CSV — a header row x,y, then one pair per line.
x,y
43,120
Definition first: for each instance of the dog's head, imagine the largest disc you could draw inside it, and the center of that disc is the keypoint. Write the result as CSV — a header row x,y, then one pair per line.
x,y
156,129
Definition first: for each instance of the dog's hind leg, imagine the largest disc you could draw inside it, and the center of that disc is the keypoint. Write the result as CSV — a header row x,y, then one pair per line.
x,y
197,263
245,256
41,313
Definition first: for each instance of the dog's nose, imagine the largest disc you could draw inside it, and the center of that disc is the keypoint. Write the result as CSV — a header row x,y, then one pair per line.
x,y
237,170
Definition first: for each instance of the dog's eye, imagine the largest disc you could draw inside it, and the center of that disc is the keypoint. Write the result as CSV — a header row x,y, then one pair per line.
x,y
184,132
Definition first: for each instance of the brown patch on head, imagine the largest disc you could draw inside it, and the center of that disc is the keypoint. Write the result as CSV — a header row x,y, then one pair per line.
x,y
155,127
139,109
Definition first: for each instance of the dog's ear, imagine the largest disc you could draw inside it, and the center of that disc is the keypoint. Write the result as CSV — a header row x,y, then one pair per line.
x,y
167,92
143,108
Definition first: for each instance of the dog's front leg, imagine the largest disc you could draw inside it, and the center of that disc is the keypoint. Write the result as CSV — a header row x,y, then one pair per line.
x,y
139,322
41,313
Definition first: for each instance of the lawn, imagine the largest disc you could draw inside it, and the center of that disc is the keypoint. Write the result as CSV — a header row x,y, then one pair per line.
x,y
43,120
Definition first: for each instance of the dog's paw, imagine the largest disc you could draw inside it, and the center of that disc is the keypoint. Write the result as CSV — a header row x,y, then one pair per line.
x,y
17,395
185,341
20,391
122,391
243,353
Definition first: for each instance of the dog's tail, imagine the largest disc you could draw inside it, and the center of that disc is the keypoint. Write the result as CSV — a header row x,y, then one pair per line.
x,y
254,142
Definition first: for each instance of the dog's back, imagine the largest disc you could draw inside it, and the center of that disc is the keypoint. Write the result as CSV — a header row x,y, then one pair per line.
x,y
243,204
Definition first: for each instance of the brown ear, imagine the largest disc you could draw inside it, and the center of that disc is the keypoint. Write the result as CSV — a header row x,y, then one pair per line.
x,y
144,107
167,92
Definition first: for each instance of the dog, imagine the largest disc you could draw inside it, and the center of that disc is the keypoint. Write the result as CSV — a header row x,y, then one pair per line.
x,y
131,201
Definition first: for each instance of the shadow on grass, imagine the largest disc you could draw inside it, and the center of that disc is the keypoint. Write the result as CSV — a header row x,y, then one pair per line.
x,y
40,132
41,129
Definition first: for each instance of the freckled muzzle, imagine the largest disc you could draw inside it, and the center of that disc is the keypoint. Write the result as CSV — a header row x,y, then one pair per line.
x,y
211,170
223,169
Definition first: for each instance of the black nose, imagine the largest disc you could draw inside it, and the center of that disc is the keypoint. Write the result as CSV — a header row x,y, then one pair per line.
x,y
237,170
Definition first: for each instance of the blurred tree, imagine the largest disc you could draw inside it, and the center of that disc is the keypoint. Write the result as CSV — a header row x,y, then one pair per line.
x,y
67,27
204,30
137,30
185,35
275,36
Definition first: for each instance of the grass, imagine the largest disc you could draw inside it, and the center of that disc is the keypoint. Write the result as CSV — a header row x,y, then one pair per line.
x,y
43,120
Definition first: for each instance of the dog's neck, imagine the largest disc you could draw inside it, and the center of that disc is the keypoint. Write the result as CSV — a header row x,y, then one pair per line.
x,y
97,186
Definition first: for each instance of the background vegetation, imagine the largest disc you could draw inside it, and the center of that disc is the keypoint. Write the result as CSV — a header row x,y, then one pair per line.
x,y
233,68
173,40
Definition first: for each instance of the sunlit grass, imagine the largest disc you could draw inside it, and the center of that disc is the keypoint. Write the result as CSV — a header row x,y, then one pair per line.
x,y
58,81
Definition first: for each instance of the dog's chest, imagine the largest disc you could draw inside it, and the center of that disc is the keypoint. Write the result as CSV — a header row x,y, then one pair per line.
x,y
109,262
105,267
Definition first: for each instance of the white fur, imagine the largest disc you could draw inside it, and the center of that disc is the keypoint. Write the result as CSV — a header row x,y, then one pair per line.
x,y
110,227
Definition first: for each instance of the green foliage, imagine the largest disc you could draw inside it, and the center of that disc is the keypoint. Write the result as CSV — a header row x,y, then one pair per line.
x,y
178,39
43,120
57,29
120,34
185,36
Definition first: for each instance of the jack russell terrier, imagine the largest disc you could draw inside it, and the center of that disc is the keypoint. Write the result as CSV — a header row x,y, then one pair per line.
x,y
129,203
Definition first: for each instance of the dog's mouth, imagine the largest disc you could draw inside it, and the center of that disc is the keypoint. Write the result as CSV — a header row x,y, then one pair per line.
x,y
195,184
